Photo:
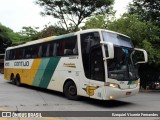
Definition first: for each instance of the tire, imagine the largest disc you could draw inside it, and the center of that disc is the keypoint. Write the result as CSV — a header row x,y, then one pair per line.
x,y
12,79
17,80
70,91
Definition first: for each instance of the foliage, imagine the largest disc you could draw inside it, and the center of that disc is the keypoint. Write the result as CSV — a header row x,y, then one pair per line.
x,y
28,34
14,38
8,37
4,43
71,13
52,30
98,21
147,10
5,40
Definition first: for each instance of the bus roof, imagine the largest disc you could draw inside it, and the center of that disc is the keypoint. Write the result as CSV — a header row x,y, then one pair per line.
x,y
92,30
61,36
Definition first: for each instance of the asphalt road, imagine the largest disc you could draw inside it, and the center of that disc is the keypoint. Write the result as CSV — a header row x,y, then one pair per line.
x,y
27,98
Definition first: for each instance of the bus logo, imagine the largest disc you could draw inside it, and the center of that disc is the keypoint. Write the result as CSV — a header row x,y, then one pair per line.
x,y
90,90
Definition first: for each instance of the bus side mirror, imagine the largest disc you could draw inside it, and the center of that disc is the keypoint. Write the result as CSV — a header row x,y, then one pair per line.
x,y
109,50
145,56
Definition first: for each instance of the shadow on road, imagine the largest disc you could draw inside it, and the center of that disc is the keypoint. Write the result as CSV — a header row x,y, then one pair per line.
x,y
106,103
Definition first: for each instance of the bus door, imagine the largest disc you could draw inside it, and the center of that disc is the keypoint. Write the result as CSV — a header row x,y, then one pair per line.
x,y
93,64
97,73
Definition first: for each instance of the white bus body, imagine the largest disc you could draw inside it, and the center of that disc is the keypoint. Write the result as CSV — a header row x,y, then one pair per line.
x,y
94,63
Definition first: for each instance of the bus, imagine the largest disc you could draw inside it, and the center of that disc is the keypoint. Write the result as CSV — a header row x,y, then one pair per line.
x,y
2,63
95,63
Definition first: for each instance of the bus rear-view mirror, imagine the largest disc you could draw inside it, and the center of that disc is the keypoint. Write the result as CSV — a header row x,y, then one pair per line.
x,y
141,56
109,50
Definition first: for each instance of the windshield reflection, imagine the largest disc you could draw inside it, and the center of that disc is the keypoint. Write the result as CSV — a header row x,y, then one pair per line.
x,y
122,67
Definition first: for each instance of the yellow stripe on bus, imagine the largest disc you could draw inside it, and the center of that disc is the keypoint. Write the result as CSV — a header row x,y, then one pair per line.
x,y
32,72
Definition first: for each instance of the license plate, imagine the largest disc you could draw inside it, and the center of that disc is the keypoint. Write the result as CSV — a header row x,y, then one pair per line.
x,y
128,93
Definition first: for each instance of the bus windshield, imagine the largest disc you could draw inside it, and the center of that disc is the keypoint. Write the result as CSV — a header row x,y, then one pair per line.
x,y
117,39
122,67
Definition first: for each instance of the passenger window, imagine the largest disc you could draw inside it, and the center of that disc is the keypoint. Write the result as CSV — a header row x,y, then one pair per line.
x,y
28,52
44,50
48,47
35,50
12,55
7,54
51,50
55,49
70,46
40,51
20,53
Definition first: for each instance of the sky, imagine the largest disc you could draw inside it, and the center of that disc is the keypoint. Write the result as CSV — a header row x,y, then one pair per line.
x,y
18,13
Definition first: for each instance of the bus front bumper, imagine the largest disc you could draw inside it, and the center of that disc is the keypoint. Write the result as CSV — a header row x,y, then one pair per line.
x,y
115,93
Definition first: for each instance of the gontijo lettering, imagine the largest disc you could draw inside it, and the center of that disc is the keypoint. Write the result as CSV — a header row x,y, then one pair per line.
x,y
21,63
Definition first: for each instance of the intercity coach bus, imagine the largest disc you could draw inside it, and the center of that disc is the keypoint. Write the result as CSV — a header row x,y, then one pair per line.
x,y
95,63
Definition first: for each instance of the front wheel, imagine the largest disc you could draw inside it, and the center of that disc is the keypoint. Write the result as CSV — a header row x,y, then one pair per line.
x,y
70,90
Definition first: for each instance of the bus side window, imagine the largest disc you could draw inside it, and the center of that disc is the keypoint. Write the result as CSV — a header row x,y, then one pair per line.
x,y
12,55
28,52
23,54
7,54
75,49
44,50
19,53
47,51
62,47
35,51
51,49
40,51
70,46
55,47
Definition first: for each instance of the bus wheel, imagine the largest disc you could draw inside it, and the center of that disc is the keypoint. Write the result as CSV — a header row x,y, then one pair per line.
x,y
17,80
70,90
12,79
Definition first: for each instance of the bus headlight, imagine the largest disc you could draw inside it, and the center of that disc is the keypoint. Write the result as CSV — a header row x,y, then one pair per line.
x,y
113,85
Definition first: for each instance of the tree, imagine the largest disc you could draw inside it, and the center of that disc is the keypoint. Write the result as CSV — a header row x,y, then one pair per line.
x,y
147,10
5,40
4,43
52,30
99,21
71,13
29,33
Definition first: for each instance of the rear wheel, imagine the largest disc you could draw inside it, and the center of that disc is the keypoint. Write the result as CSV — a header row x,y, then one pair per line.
x,y
12,79
17,80
70,90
